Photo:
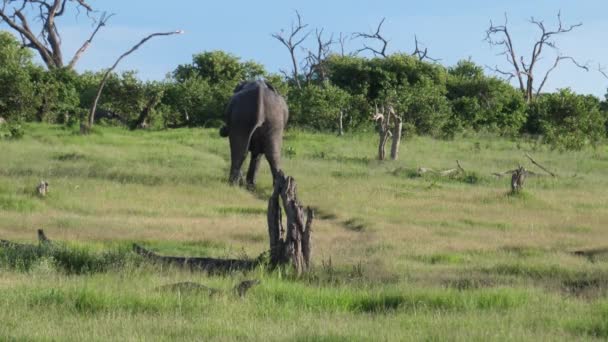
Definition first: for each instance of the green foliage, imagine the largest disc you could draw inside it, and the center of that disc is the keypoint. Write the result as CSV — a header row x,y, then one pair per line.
x,y
480,102
202,89
219,67
423,106
58,94
69,259
567,120
124,97
17,100
318,107
415,88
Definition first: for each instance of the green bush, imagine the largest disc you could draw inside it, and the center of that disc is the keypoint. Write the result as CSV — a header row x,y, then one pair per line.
x,y
201,90
318,107
567,120
481,102
17,90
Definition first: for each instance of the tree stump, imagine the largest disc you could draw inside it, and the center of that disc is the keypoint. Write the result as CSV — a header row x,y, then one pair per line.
x,y
517,179
294,243
398,126
43,188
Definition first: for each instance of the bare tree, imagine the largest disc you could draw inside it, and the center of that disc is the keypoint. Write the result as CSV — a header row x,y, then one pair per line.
x,y
342,41
377,36
315,60
422,54
86,127
602,70
385,130
47,40
291,41
525,70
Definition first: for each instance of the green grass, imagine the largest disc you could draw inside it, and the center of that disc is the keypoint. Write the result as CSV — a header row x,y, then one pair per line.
x,y
397,256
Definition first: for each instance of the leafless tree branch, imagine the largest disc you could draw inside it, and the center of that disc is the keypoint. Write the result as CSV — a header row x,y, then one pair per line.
x,y
315,60
47,42
422,54
86,127
377,36
498,35
554,66
602,70
292,41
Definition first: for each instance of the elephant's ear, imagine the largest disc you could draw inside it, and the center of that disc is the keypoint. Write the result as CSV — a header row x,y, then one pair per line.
x,y
270,86
240,87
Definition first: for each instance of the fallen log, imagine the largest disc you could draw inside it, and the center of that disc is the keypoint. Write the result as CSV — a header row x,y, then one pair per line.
x,y
444,173
591,253
240,289
42,241
210,265
540,166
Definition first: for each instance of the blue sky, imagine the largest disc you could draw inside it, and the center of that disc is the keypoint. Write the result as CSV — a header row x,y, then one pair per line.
x,y
452,30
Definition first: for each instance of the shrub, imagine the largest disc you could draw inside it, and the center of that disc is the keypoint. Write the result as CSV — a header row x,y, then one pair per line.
x,y
480,102
568,121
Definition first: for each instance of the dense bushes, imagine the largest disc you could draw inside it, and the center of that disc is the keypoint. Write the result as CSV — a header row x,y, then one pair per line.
x,y
479,101
567,120
431,99
17,101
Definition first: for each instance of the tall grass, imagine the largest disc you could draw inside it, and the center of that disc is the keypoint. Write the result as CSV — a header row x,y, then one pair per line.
x,y
397,256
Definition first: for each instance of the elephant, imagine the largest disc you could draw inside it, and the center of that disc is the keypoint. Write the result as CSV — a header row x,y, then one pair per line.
x,y
255,119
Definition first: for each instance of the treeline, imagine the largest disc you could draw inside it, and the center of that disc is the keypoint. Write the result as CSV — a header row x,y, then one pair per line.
x,y
432,99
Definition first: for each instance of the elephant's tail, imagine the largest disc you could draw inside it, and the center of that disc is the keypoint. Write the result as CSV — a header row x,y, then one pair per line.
x,y
224,131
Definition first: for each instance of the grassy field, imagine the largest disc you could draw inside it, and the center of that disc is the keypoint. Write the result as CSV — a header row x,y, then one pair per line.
x,y
397,256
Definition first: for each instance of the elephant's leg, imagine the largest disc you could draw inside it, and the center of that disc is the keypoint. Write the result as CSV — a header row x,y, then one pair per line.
x,y
239,145
254,163
273,155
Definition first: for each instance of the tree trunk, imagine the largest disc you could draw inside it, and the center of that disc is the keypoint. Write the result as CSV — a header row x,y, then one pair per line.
x,y
293,244
85,128
145,113
340,124
396,138
517,179
384,132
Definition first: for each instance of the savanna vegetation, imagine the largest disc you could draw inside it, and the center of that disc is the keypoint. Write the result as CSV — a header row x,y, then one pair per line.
x,y
401,249
397,255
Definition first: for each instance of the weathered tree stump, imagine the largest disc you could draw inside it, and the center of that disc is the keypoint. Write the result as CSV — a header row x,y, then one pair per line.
x,y
397,128
43,188
517,179
211,265
383,119
294,243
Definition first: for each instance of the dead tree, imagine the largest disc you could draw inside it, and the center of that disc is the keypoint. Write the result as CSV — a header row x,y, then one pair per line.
x,y
43,188
385,130
342,41
376,36
341,123
141,121
315,61
383,122
525,70
517,179
18,15
291,42
422,54
397,127
86,127
602,71
294,243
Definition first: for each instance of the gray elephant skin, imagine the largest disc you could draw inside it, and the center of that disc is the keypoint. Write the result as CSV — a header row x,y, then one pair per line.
x,y
255,119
